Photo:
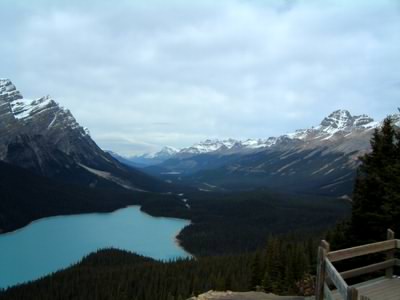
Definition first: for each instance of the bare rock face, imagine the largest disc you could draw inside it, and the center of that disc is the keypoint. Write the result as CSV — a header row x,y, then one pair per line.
x,y
44,137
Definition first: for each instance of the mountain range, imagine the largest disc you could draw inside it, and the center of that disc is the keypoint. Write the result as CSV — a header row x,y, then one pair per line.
x,y
45,138
321,159
147,159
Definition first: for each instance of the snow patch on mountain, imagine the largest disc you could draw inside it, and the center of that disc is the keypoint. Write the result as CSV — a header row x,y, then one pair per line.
x,y
108,176
167,151
340,121
259,143
25,108
8,91
209,146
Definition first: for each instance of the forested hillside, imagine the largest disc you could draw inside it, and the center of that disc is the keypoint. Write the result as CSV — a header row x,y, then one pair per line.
x,y
237,222
376,196
113,274
26,197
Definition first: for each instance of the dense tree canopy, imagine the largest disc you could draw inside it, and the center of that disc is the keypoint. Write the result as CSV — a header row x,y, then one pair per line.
x,y
376,199
115,274
376,196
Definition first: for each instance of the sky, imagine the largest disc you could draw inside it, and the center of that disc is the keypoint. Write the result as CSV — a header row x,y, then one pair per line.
x,y
145,74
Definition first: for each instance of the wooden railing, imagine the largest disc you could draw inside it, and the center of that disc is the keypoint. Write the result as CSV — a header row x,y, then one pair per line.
x,y
326,271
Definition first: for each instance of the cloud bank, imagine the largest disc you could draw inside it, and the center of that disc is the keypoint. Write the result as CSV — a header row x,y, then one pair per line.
x,y
141,75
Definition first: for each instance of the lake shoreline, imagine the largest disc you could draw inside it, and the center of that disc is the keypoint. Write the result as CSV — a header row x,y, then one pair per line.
x,y
176,239
72,237
17,228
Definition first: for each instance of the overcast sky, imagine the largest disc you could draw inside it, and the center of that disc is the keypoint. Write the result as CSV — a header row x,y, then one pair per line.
x,y
144,74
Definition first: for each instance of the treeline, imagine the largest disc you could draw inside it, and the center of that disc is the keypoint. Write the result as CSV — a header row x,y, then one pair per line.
x,y
242,222
279,267
285,267
25,196
376,196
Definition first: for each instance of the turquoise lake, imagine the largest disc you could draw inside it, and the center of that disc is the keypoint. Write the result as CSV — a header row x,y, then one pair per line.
x,y
54,243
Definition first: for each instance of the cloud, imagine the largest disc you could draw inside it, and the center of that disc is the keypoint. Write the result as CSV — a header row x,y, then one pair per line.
x,y
147,74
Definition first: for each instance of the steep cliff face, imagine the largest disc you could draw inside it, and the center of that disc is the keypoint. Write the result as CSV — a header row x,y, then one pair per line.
x,y
44,137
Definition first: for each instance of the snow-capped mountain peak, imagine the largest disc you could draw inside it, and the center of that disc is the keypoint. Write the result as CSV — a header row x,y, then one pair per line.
x,y
343,120
337,125
26,108
209,146
168,150
339,121
8,91
259,143
165,152
22,112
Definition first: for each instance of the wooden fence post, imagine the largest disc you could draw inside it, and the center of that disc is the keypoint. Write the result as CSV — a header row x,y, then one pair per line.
x,y
390,254
352,293
323,250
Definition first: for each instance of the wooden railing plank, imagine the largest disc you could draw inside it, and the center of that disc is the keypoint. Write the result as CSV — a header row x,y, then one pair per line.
x,y
368,269
352,293
361,250
337,280
321,265
326,272
328,293
390,254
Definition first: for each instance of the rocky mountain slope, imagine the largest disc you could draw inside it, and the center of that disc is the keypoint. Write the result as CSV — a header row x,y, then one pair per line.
x,y
45,138
26,196
321,159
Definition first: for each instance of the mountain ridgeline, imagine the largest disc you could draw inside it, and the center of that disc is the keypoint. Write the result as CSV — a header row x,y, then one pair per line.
x,y
49,165
43,137
320,160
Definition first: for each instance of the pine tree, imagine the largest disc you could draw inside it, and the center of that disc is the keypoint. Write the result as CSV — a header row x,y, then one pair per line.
x,y
376,203
256,273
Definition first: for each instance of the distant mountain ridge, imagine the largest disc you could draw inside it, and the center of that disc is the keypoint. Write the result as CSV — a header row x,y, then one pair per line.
x,y
45,138
333,126
321,159
147,159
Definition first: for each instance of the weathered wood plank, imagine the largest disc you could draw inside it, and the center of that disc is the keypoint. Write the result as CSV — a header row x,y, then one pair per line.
x,y
361,250
390,254
321,266
368,269
384,288
352,293
328,293
390,234
326,246
337,280
397,262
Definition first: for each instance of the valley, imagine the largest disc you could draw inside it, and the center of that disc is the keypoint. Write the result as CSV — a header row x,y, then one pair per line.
x,y
199,150
321,160
232,200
